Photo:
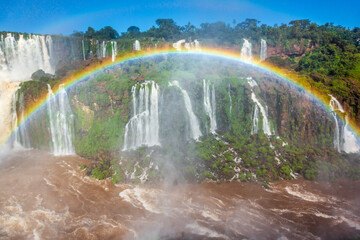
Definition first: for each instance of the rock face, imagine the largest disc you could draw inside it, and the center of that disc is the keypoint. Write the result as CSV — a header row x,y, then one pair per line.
x,y
297,49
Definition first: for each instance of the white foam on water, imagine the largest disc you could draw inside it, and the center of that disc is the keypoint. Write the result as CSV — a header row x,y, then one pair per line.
x,y
141,198
200,230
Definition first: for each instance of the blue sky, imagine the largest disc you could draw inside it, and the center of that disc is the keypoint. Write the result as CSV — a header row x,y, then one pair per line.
x,y
62,17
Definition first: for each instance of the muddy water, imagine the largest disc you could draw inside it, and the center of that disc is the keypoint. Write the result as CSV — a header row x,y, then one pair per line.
x,y
47,197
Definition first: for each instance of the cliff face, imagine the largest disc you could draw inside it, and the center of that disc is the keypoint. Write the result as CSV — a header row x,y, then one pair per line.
x,y
245,101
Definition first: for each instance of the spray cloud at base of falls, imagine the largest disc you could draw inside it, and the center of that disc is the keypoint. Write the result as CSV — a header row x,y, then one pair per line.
x,y
61,122
210,105
143,127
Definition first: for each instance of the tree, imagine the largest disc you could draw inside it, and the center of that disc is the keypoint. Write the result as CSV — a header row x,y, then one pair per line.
x,y
133,29
90,33
167,29
108,33
77,34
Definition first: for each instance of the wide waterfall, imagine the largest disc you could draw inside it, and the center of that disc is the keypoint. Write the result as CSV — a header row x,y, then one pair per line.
x,y
20,58
83,49
61,122
113,50
195,131
263,50
259,107
344,138
136,45
143,127
246,50
210,105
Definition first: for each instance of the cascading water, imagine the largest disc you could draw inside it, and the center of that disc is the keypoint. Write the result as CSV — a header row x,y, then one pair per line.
x,y
18,60
83,49
143,127
137,46
336,106
98,50
259,108
113,50
195,131
190,46
230,99
210,105
350,142
255,121
61,122
21,133
246,50
344,138
178,45
103,49
263,50
197,45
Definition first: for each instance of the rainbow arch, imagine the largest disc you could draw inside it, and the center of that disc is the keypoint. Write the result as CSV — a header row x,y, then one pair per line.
x,y
289,76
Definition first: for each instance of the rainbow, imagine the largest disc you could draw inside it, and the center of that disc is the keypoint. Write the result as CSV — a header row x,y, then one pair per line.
x,y
294,78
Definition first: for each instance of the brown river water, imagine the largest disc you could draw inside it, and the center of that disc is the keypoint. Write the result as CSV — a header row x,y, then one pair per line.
x,y
48,197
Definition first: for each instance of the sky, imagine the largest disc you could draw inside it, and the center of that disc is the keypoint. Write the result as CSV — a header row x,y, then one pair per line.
x,y
63,17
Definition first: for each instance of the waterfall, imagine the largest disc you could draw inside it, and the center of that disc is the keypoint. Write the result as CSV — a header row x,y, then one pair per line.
x,y
98,51
344,138
259,107
187,46
19,59
113,50
246,50
103,49
210,105
21,134
143,127
336,106
263,50
255,121
350,143
190,46
230,99
195,131
136,46
83,49
178,44
197,45
61,120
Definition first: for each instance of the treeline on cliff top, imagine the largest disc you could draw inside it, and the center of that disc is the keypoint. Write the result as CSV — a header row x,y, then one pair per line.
x,y
330,60
337,52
